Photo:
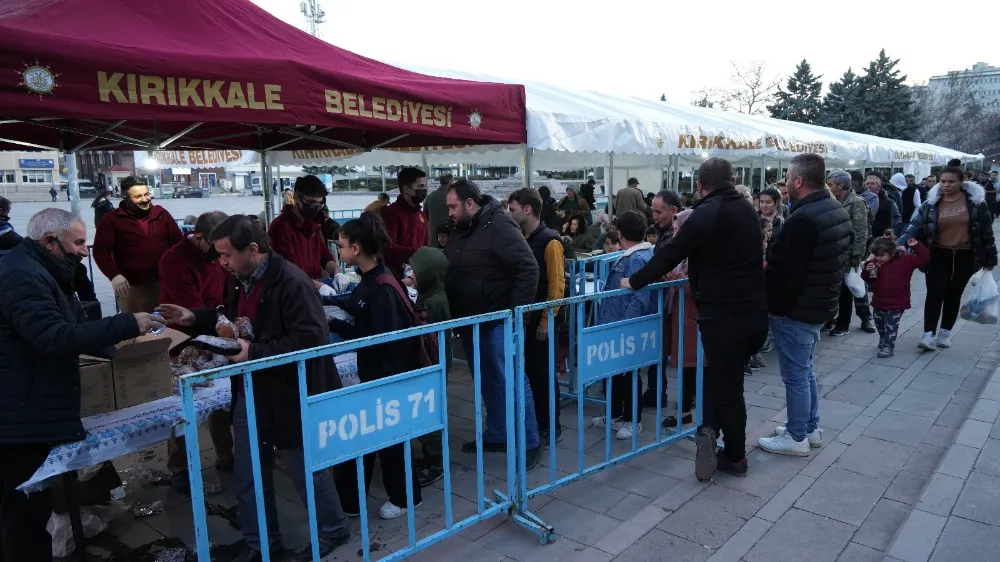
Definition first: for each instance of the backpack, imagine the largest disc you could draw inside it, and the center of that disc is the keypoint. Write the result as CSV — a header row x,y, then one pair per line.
x,y
427,345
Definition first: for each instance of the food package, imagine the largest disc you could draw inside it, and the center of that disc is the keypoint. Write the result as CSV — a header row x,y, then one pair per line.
x,y
334,312
244,327
218,344
224,328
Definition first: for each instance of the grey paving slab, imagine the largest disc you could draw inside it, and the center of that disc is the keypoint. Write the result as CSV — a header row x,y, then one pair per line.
x,y
925,459
936,383
879,404
940,494
954,414
899,427
768,473
907,487
940,436
926,404
985,410
799,532
917,536
980,500
730,500
989,459
875,457
965,397
655,544
741,542
958,461
949,365
853,392
704,524
824,459
577,523
633,529
843,495
881,525
785,498
628,507
974,433
858,553
967,541
837,415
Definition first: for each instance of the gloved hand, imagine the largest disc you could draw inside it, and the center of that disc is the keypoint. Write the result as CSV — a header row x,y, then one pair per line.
x,y
341,283
326,291
121,286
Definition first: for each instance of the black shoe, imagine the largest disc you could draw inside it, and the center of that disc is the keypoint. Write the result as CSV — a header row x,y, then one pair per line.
x,y
757,361
488,447
829,325
867,327
734,468
838,332
747,370
326,546
670,422
181,483
531,457
543,436
429,474
253,555
226,466
704,458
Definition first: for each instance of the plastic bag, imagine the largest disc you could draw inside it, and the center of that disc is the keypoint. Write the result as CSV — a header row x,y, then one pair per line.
x,y
62,531
855,284
981,301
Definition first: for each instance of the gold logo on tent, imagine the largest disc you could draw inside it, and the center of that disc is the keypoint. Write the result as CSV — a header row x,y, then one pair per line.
x,y
38,79
659,141
475,119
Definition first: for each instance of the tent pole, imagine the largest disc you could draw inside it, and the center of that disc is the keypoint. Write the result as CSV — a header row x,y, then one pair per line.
x,y
527,166
266,187
677,172
763,168
611,184
73,185
278,173
382,172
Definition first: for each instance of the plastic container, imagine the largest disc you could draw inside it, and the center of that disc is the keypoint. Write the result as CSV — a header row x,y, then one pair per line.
x,y
158,327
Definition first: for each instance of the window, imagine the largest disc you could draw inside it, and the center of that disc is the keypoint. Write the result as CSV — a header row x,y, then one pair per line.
x,y
36,176
7,176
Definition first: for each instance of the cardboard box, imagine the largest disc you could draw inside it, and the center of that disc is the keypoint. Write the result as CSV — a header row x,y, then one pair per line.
x,y
139,373
97,386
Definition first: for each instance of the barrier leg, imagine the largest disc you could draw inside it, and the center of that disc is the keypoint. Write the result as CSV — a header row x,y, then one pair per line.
x,y
194,471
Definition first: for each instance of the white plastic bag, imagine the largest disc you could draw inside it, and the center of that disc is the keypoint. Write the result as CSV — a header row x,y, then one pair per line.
x,y
855,284
981,300
62,531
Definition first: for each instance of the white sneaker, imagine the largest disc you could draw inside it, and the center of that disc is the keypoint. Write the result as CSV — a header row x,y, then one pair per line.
x,y
625,433
784,444
600,422
815,438
944,338
927,343
390,510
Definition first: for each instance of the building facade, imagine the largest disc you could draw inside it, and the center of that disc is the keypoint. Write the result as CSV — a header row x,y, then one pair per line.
x,y
28,172
982,80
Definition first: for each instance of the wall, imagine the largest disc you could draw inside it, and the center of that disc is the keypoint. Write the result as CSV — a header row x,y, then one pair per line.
x,y
11,162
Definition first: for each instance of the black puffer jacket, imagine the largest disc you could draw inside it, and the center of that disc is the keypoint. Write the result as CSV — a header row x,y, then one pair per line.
x,y
490,266
924,226
42,335
805,262
289,318
722,242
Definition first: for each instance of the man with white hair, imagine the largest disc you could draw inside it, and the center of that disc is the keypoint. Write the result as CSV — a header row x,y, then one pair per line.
x,y
42,335
839,184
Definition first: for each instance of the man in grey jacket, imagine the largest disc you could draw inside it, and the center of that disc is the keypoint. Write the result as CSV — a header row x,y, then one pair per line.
x,y
839,183
630,199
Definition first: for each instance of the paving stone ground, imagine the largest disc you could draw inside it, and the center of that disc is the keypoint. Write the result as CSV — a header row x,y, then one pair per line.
x,y
910,468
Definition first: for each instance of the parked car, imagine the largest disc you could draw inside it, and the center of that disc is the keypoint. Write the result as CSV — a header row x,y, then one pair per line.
x,y
86,187
188,192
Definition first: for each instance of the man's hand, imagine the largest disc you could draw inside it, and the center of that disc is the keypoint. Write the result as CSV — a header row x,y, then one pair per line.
x,y
178,315
244,354
341,282
625,284
332,267
911,242
146,321
675,275
542,332
121,286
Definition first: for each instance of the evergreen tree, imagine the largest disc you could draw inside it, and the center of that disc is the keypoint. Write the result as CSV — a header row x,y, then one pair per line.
x,y
842,103
800,101
886,106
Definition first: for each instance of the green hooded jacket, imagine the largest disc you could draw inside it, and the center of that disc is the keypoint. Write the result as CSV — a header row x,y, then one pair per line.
x,y
429,267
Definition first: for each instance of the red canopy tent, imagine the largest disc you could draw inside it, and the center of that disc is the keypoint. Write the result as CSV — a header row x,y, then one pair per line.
x,y
220,74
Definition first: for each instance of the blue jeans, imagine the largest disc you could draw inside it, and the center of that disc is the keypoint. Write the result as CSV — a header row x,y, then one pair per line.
x,y
494,390
794,341
330,518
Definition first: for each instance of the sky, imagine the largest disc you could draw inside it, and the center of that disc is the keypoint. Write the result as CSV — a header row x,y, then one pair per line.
x,y
652,47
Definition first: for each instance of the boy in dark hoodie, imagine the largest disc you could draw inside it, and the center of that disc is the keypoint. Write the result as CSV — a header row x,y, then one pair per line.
x,y
429,267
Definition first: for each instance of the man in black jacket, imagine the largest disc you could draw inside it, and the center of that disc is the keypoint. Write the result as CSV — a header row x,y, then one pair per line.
x,y
887,215
665,205
9,238
287,315
722,242
42,334
805,269
490,268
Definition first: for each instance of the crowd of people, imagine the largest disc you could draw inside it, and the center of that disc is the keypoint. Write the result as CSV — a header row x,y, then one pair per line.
x,y
763,267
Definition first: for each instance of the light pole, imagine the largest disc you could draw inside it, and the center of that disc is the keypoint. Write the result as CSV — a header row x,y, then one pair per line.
x,y
313,14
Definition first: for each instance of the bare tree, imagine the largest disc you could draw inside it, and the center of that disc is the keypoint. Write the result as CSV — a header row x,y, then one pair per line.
x,y
953,116
750,91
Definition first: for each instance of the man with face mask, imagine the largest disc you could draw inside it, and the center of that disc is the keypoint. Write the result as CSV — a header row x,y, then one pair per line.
x,y
405,221
42,334
296,235
129,243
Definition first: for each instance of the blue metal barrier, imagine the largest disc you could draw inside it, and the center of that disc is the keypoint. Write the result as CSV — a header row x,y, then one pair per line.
x,y
578,285
402,407
601,352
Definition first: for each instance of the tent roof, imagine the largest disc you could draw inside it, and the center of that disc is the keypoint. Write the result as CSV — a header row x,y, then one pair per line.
x,y
220,74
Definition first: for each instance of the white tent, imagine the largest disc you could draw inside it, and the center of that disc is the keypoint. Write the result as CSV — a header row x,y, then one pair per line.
x,y
576,129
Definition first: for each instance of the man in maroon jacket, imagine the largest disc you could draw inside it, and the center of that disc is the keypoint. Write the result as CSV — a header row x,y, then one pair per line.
x,y
190,276
297,237
129,243
405,221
